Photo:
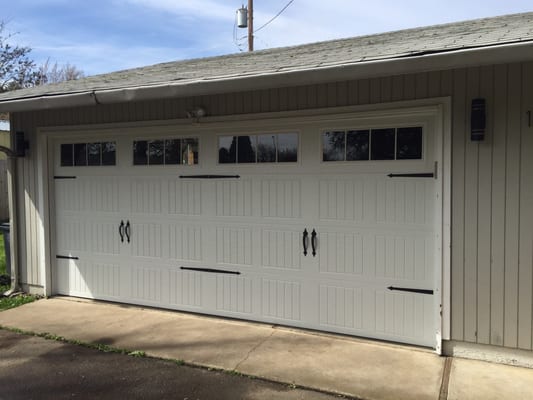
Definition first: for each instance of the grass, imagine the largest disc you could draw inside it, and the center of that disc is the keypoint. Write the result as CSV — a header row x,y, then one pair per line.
x,y
10,302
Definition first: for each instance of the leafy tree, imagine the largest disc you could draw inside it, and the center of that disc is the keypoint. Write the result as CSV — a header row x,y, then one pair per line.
x,y
17,70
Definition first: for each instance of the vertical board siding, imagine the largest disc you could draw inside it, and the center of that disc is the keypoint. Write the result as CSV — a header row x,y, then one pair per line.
x,y
499,159
512,203
525,271
492,222
458,199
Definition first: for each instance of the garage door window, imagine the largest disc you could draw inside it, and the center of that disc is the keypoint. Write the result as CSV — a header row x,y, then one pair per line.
x,y
267,148
165,152
88,154
372,144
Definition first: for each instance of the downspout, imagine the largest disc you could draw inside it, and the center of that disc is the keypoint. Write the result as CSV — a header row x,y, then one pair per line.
x,y
13,219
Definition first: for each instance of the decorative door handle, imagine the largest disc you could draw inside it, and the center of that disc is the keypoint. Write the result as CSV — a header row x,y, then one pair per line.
x,y
313,242
128,230
121,231
305,241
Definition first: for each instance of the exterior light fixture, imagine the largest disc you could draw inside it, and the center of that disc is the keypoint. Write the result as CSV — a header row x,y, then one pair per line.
x,y
477,120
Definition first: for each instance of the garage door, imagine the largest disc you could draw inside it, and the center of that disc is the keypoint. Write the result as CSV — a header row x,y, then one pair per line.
x,y
327,224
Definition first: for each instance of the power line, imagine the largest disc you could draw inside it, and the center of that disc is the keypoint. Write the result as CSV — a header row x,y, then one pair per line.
x,y
275,16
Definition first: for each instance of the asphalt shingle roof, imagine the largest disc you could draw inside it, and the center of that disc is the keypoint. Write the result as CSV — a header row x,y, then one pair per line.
x,y
386,46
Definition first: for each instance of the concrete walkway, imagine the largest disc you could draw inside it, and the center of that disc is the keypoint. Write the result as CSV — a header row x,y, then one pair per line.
x,y
336,364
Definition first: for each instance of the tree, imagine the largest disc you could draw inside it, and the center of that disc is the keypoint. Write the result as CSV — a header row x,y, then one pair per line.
x,y
17,70
55,73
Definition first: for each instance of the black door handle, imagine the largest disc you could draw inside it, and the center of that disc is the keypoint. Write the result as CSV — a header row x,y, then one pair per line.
x,y
121,231
304,241
128,230
313,242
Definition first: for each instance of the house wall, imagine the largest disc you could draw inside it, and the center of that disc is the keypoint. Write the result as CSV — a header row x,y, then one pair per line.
x,y
492,188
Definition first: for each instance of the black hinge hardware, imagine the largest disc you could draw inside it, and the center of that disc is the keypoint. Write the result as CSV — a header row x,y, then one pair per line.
x,y
64,177
67,257
211,270
209,176
419,175
411,290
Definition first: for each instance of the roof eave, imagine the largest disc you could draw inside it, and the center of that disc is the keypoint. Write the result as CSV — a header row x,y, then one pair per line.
x,y
458,58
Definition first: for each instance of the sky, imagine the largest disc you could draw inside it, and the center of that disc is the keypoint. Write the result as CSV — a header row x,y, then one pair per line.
x,y
100,36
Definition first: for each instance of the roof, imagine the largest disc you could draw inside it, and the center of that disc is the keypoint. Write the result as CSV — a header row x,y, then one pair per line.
x,y
425,42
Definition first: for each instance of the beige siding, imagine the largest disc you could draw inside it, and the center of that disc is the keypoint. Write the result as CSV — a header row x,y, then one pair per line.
x,y
492,189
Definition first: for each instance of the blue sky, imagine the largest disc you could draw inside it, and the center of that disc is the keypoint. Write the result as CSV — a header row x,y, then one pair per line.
x,y
101,36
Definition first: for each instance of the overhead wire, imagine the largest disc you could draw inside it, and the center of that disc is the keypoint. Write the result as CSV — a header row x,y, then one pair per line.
x,y
274,17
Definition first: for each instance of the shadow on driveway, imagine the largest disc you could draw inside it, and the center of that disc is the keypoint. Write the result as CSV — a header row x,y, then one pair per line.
x,y
36,368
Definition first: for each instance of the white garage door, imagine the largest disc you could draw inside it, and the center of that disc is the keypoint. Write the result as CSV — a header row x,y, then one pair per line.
x,y
329,225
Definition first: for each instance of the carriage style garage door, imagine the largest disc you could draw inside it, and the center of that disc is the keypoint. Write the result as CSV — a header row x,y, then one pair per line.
x,y
329,224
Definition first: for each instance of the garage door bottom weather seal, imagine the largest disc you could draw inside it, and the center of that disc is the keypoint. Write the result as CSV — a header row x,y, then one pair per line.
x,y
211,270
411,290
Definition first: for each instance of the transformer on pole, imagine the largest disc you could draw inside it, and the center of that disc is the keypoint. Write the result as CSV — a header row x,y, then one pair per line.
x,y
245,19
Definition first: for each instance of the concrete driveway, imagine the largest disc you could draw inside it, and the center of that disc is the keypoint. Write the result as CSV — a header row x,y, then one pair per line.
x,y
329,363
36,368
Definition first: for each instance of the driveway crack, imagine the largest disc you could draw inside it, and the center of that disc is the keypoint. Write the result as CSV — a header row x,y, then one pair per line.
x,y
253,349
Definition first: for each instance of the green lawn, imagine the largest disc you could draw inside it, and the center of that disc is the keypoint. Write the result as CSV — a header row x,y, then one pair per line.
x,y
6,302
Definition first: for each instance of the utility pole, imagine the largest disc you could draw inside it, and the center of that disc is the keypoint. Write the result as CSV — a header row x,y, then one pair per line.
x,y
250,25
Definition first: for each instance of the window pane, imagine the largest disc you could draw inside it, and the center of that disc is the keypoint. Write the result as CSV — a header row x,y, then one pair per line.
x,y
287,147
67,159
155,152
357,145
246,149
333,146
266,148
109,151
409,143
172,151
140,152
189,151
227,146
382,144
94,154
80,154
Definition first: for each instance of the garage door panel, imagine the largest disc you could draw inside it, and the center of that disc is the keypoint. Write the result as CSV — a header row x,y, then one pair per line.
x,y
186,288
280,248
281,198
340,252
362,311
97,236
185,242
184,197
147,240
234,246
87,194
234,198
281,299
148,284
89,278
234,294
